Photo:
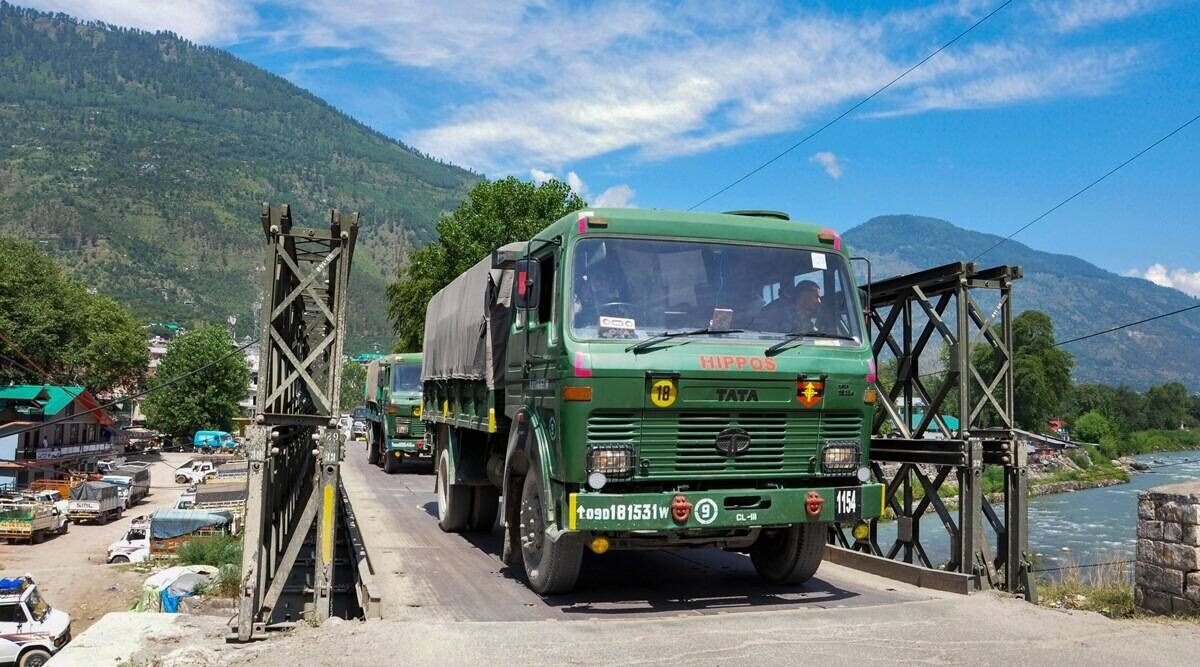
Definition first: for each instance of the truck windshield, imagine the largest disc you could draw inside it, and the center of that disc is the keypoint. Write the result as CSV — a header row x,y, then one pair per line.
x,y
406,378
633,289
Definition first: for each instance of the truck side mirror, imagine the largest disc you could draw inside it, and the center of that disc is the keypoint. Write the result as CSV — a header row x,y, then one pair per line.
x,y
528,283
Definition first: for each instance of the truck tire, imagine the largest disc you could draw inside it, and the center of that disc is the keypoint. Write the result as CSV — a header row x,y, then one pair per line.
x,y
34,657
62,530
181,479
454,500
392,462
789,555
372,448
484,506
37,537
119,559
551,567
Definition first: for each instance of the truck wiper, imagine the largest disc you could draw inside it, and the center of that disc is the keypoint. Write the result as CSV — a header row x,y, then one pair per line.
x,y
796,336
638,348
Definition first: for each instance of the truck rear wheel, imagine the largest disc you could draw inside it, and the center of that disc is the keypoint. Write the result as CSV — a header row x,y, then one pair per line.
x,y
551,567
484,506
454,500
372,448
789,555
392,461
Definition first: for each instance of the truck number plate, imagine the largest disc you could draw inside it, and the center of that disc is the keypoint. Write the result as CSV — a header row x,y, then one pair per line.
x,y
847,504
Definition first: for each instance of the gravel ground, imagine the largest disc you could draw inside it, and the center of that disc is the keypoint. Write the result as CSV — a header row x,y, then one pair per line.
x,y
70,569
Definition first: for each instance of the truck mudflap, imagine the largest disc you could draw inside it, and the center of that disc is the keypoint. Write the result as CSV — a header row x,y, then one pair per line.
x,y
725,508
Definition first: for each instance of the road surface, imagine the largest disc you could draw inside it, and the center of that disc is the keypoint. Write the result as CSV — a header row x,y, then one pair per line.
x,y
428,574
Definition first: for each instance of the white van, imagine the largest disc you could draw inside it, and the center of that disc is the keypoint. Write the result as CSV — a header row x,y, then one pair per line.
x,y
30,630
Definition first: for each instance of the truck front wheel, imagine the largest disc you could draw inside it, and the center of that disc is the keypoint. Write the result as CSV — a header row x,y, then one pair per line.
x,y
392,461
454,500
34,657
789,555
551,567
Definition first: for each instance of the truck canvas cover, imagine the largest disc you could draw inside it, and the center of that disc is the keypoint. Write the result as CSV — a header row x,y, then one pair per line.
x,y
168,523
466,325
221,493
93,491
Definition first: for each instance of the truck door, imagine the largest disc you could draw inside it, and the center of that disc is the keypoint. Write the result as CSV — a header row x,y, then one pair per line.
x,y
539,340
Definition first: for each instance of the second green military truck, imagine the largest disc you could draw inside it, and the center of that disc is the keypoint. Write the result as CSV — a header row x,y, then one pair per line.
x,y
635,379
393,411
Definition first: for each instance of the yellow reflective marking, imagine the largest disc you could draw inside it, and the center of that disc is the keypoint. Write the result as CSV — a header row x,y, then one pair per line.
x,y
571,517
445,408
327,526
491,420
663,393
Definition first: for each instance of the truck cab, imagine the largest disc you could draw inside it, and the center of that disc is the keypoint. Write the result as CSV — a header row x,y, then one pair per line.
x,y
30,629
196,473
653,379
213,441
134,545
393,402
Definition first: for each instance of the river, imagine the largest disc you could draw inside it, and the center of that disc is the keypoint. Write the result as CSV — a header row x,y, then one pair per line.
x,y
1086,526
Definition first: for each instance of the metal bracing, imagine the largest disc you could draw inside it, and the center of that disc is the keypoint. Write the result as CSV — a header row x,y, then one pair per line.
x,y
935,319
294,445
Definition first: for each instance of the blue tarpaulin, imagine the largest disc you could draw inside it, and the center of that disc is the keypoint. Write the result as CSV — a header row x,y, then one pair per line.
x,y
168,523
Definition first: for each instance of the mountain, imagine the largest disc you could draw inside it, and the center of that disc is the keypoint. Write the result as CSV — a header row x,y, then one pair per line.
x,y
1080,298
139,161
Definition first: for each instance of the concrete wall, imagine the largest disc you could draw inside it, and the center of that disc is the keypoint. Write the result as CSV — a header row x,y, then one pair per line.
x,y
1168,549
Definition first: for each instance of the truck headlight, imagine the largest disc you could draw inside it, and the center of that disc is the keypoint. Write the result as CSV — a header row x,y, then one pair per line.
x,y
839,457
612,461
401,428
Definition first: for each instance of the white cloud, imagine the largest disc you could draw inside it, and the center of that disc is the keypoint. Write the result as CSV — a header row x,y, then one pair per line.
x,y
1071,15
576,183
829,162
1181,279
618,196
538,176
202,21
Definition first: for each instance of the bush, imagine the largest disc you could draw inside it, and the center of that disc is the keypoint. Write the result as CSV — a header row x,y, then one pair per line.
x,y
218,551
1092,427
1080,458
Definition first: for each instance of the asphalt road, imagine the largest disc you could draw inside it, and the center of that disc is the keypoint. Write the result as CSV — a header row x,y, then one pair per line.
x,y
428,574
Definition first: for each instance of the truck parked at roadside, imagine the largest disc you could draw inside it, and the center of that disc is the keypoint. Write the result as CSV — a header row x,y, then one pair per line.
x,y
165,531
634,379
95,501
214,441
30,520
393,397
132,481
31,631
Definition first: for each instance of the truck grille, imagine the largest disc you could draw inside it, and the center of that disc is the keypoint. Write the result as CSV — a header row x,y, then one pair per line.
x,y
681,444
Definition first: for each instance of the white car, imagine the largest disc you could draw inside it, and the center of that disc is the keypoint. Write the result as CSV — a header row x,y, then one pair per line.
x,y
30,630
133,547
197,473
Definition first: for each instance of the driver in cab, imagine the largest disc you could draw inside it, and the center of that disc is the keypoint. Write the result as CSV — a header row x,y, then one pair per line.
x,y
797,309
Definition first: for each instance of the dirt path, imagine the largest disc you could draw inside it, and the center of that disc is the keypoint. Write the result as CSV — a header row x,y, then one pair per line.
x,y
70,569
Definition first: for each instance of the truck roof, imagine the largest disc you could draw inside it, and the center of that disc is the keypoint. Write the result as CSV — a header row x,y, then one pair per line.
x,y
752,226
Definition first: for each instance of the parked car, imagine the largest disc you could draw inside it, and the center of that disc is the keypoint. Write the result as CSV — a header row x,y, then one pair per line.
x,y
30,629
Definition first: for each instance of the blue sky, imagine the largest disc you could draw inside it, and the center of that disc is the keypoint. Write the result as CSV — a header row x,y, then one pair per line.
x,y
661,104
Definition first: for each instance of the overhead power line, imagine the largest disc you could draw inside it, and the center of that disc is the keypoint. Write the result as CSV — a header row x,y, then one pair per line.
x,y
1127,325
1087,187
851,110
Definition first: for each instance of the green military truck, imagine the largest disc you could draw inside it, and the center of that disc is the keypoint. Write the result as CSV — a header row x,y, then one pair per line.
x,y
634,379
393,411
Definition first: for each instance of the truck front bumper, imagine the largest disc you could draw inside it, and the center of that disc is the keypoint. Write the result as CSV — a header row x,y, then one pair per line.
x,y
721,509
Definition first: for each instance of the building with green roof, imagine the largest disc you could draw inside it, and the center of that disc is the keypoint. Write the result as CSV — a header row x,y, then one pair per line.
x,y
47,429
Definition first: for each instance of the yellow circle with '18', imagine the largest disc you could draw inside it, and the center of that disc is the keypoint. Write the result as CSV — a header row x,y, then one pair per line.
x,y
663,392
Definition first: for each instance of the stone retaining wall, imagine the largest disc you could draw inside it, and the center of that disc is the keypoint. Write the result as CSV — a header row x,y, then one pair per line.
x,y
1168,550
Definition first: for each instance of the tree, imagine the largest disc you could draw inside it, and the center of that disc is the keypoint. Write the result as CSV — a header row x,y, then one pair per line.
x,y
1129,410
77,337
354,385
1086,398
1041,371
494,213
207,400
1092,427
1167,405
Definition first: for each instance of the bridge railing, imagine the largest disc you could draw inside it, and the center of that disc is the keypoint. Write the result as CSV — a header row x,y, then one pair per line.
x,y
936,431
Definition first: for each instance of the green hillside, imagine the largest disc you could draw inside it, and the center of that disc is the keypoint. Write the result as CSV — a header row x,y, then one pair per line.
x,y
1079,297
139,160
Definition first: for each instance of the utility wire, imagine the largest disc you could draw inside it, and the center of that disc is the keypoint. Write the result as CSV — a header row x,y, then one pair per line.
x,y
1086,565
853,108
1087,187
1128,324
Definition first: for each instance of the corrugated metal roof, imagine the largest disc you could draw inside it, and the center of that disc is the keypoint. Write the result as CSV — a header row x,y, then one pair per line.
x,y
56,398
